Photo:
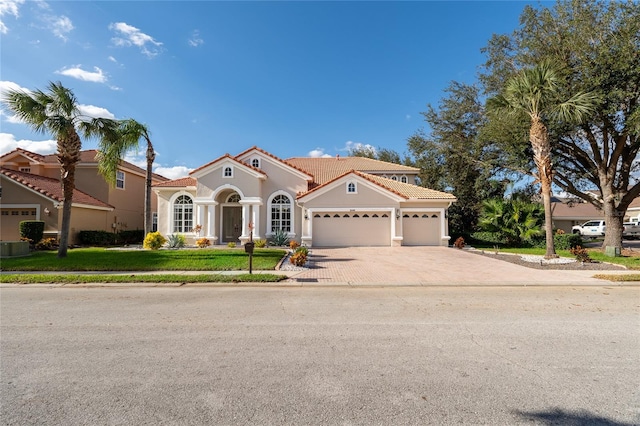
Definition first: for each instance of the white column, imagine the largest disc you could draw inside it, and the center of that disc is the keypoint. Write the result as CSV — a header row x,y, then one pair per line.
x,y
256,221
200,218
211,222
245,221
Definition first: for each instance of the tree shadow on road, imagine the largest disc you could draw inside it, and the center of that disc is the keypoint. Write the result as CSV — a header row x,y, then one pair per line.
x,y
558,416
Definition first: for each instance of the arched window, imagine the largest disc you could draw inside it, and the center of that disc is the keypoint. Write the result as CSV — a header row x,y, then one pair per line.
x,y
281,213
351,188
403,179
183,214
255,163
233,198
228,172
394,177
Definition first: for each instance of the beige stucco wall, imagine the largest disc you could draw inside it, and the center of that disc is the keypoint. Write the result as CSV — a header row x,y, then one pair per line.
x,y
14,194
242,178
84,219
365,197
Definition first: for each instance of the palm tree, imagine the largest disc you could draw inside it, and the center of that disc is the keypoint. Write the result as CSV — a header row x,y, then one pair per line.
x,y
112,151
56,111
515,221
535,93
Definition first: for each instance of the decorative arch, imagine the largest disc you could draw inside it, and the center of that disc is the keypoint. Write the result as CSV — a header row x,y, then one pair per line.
x,y
226,187
181,212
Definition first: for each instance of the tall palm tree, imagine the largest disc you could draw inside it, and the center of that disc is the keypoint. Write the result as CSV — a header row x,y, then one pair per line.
x,y
56,111
536,93
113,150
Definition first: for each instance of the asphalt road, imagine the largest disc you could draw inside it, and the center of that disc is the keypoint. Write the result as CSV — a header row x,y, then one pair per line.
x,y
369,356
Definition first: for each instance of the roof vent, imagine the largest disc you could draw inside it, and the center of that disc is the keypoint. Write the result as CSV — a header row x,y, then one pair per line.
x,y
338,157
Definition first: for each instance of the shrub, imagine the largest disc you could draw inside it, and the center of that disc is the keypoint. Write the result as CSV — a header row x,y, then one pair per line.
x,y
459,243
279,238
47,244
303,249
231,244
581,254
487,238
96,238
293,244
261,243
560,231
298,258
176,241
567,241
203,242
32,230
130,237
154,240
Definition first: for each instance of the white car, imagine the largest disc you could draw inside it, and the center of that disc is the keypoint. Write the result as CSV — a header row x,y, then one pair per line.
x,y
593,228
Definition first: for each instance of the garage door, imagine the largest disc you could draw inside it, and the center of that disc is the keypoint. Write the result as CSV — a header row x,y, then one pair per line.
x,y
421,229
349,229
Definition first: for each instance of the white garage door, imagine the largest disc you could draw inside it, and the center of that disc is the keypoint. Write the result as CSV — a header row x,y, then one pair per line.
x,y
421,229
349,229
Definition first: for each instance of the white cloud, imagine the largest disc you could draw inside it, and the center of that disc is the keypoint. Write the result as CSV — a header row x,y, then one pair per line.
x,y
6,85
127,35
95,112
195,39
97,76
8,7
112,59
318,153
59,26
175,172
8,143
350,146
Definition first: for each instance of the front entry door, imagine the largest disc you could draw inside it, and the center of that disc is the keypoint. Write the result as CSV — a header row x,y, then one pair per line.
x,y
231,224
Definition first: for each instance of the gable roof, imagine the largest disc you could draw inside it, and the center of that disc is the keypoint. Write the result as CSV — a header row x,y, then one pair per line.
x,y
403,190
326,169
226,157
277,159
177,183
51,188
86,156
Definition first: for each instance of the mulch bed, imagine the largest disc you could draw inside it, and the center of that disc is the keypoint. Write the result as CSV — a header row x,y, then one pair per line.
x,y
574,266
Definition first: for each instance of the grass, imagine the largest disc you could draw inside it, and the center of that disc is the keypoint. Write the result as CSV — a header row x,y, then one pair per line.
x,y
155,278
630,262
624,277
100,259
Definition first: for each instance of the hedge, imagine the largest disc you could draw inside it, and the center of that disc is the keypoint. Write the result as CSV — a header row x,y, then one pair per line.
x,y
33,230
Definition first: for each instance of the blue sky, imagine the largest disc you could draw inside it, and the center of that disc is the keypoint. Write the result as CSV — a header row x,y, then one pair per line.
x,y
208,78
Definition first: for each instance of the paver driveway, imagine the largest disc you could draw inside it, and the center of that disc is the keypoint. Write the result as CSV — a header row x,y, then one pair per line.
x,y
426,266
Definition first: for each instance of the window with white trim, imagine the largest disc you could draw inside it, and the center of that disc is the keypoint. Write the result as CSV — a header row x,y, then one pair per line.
x,y
394,177
352,188
403,179
227,172
233,198
183,214
255,163
281,213
154,222
119,179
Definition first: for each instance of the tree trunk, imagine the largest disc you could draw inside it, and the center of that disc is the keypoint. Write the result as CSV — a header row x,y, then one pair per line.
x,y
148,222
68,156
539,138
614,219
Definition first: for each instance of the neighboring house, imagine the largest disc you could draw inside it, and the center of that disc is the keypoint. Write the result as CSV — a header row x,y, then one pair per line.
x,y
633,211
568,212
32,190
341,201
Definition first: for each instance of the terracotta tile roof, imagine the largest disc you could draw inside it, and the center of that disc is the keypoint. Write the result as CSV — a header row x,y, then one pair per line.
x,y
404,190
327,169
51,188
39,158
86,156
177,183
268,154
227,156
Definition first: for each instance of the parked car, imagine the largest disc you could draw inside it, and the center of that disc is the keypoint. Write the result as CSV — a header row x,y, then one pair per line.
x,y
631,230
593,228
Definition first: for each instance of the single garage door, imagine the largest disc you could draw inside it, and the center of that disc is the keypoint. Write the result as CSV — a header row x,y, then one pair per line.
x,y
421,229
349,229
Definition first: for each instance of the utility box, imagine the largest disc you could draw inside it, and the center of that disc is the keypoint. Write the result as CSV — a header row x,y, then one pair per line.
x,y
612,251
248,247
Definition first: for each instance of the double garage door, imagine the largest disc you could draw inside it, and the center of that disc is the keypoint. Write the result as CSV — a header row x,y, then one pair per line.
x,y
349,229
362,228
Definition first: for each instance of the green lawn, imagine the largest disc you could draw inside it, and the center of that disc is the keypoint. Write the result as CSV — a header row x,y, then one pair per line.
x,y
132,278
100,259
631,262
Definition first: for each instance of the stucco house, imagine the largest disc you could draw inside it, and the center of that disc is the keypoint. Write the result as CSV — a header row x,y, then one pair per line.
x,y
32,190
322,202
